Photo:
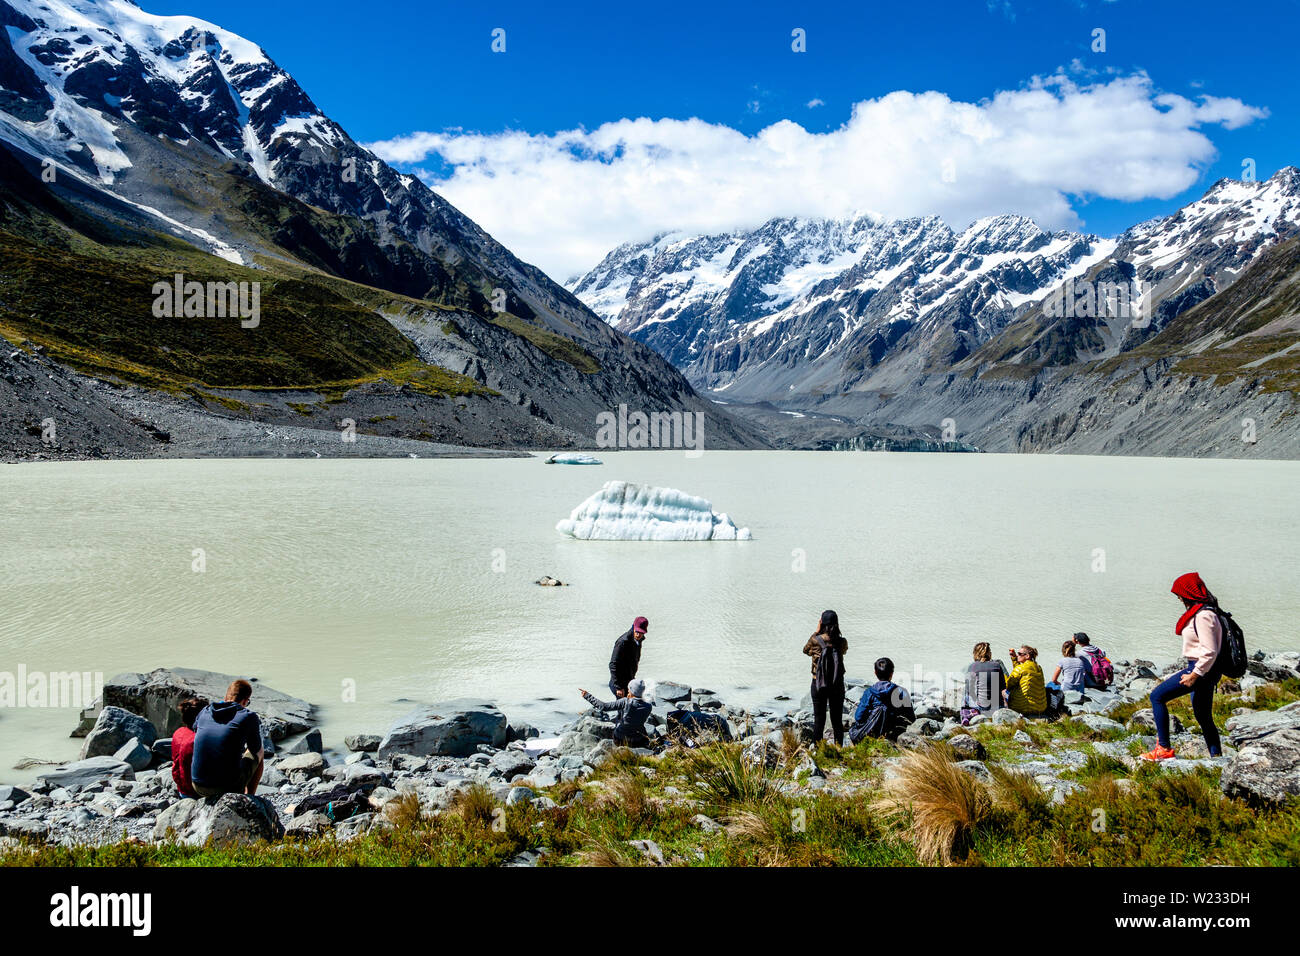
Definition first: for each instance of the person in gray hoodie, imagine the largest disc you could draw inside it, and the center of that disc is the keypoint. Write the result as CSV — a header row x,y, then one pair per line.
x,y
633,711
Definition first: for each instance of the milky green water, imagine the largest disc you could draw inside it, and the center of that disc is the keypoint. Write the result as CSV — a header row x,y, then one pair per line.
x,y
413,579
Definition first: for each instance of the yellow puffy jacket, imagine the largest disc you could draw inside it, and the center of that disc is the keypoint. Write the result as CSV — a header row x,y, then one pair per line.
x,y
1026,688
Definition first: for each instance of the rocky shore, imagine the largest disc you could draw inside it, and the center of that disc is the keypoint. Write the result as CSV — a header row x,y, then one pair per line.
x,y
122,789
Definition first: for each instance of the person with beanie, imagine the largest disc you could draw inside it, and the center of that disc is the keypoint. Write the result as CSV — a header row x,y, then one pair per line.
x,y
633,710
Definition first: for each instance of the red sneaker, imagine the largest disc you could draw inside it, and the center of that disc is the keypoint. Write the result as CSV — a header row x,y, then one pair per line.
x,y
1159,753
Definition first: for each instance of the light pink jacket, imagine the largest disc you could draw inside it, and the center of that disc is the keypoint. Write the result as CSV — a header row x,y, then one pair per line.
x,y
1202,638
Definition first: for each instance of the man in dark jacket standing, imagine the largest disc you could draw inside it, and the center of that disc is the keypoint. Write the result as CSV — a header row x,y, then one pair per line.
x,y
625,659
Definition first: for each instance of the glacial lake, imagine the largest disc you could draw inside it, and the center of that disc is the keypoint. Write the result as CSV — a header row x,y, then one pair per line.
x,y
395,581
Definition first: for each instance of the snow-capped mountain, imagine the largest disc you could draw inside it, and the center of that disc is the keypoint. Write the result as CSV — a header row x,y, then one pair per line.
x,y
799,310
173,125
1171,263
796,294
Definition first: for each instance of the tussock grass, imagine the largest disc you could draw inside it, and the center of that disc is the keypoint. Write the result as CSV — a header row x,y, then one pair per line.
x,y
944,804
720,777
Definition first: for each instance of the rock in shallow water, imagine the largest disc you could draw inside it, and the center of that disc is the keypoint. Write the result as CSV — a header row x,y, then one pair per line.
x,y
85,772
114,728
451,729
155,695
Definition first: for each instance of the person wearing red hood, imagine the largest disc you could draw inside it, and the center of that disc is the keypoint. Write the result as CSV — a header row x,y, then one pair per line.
x,y
1202,635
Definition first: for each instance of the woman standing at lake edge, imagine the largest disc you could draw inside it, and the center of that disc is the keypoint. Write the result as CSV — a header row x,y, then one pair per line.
x,y
1202,635
827,639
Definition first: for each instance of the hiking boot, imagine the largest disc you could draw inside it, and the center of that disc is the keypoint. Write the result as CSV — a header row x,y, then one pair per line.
x,y
1159,753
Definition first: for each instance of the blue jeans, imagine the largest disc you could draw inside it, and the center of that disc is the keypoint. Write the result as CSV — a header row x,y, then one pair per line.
x,y
1171,688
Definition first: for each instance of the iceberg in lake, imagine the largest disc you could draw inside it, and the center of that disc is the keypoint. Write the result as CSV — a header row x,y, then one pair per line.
x,y
623,511
573,458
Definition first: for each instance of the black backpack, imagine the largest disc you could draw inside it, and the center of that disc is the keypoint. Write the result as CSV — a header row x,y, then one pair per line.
x,y
1232,652
830,667
875,722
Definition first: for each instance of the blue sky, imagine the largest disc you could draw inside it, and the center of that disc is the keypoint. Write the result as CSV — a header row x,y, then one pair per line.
x,y
390,69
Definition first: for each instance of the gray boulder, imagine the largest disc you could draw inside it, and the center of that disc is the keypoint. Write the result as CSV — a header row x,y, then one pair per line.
x,y
599,753
363,743
311,743
135,753
9,794
604,729
967,747
1145,720
671,692
1099,702
234,818
451,729
313,765
924,727
308,825
511,763
155,695
113,729
1099,724
1005,715
576,742
359,774
1266,767
976,769
84,773
519,795
1258,724
521,732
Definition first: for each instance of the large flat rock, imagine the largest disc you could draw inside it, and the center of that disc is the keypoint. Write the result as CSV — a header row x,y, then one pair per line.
x,y
155,695
1266,768
454,728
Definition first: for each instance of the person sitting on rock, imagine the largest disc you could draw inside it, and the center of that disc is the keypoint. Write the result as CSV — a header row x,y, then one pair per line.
x,y
633,711
228,752
986,682
1071,671
1090,654
1026,690
885,709
626,657
183,745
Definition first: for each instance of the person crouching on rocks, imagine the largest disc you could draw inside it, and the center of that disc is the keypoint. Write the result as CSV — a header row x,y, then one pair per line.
x,y
827,648
626,657
1202,635
633,711
228,752
1026,691
183,745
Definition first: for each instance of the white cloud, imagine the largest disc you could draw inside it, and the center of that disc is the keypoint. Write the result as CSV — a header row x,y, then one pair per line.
x,y
816,102
563,200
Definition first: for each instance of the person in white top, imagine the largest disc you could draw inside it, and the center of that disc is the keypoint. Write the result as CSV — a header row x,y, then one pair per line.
x,y
1202,634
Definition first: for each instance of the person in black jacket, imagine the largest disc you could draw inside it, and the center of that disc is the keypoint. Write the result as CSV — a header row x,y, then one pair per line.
x,y
633,711
626,658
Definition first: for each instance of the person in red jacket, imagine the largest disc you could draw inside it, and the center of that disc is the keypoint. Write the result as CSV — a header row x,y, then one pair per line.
x,y
183,745
1202,634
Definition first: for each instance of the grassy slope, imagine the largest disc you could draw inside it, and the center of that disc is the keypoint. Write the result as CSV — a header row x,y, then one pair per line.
x,y
936,814
81,286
